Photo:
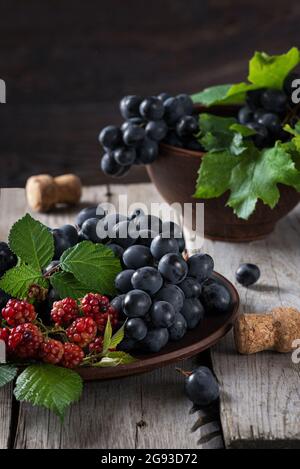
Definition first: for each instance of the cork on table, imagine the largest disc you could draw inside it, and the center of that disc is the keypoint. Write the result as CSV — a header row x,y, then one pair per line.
x,y
260,396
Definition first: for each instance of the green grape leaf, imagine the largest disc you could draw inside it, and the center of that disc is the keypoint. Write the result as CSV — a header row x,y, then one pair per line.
x,y
242,130
50,386
17,281
249,177
270,71
211,95
93,265
68,286
7,374
32,242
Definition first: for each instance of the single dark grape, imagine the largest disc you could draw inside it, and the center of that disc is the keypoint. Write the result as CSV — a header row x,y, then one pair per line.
x,y
61,243
271,121
70,232
95,211
200,266
187,126
123,281
109,166
155,340
110,137
174,110
121,234
247,274
179,328
117,249
135,329
187,103
161,246
152,109
253,98
173,268
148,222
127,345
134,120
156,130
172,294
147,279
91,230
274,100
201,387
117,303
245,115
147,151
124,156
192,311
129,106
216,298
164,96
190,287
162,314
136,304
133,135
262,138
7,258
137,256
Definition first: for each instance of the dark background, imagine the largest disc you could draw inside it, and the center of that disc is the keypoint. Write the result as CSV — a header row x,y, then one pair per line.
x,y
67,63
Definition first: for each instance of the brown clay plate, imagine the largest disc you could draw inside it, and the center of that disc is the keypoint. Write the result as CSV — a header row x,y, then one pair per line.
x,y
208,333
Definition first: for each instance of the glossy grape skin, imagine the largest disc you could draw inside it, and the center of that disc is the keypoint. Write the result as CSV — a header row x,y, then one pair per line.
x,y
174,110
123,281
274,100
135,329
156,130
247,274
173,139
172,294
146,152
201,266
127,345
70,232
201,387
155,340
95,211
245,115
135,120
136,304
110,137
271,121
117,303
7,258
187,103
61,243
147,279
216,298
262,138
193,312
149,222
179,328
120,234
117,249
124,156
187,126
162,314
90,230
130,105
146,237
173,268
152,109
137,256
133,135
109,166
161,246
190,287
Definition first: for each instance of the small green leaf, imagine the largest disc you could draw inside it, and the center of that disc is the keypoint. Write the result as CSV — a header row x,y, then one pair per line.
x,y
115,359
7,374
211,95
17,281
93,265
68,286
49,386
32,242
269,71
107,336
242,129
117,338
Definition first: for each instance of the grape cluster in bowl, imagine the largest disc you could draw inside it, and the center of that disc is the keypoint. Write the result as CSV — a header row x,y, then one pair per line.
x,y
265,111
148,121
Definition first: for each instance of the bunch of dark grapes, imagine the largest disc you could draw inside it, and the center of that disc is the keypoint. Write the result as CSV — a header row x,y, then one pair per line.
x,y
148,121
266,110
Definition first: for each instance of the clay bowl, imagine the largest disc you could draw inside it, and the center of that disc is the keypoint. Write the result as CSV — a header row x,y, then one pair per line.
x,y
174,174
208,333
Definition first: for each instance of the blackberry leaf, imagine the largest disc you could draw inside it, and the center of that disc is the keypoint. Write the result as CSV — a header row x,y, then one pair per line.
x,y
7,374
49,386
17,281
68,286
32,242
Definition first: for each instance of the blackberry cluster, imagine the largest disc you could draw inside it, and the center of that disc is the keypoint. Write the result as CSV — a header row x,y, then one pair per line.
x,y
266,110
148,121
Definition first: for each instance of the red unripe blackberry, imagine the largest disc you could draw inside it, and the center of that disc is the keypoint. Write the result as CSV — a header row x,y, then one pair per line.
x,y
64,312
4,334
82,331
25,340
96,346
73,356
93,304
102,319
52,351
18,312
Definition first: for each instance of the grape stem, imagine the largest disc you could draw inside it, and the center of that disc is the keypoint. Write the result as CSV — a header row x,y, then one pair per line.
x,y
186,374
293,113
52,271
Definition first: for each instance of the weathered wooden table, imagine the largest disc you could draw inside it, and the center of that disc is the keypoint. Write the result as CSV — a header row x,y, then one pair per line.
x,y
260,395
